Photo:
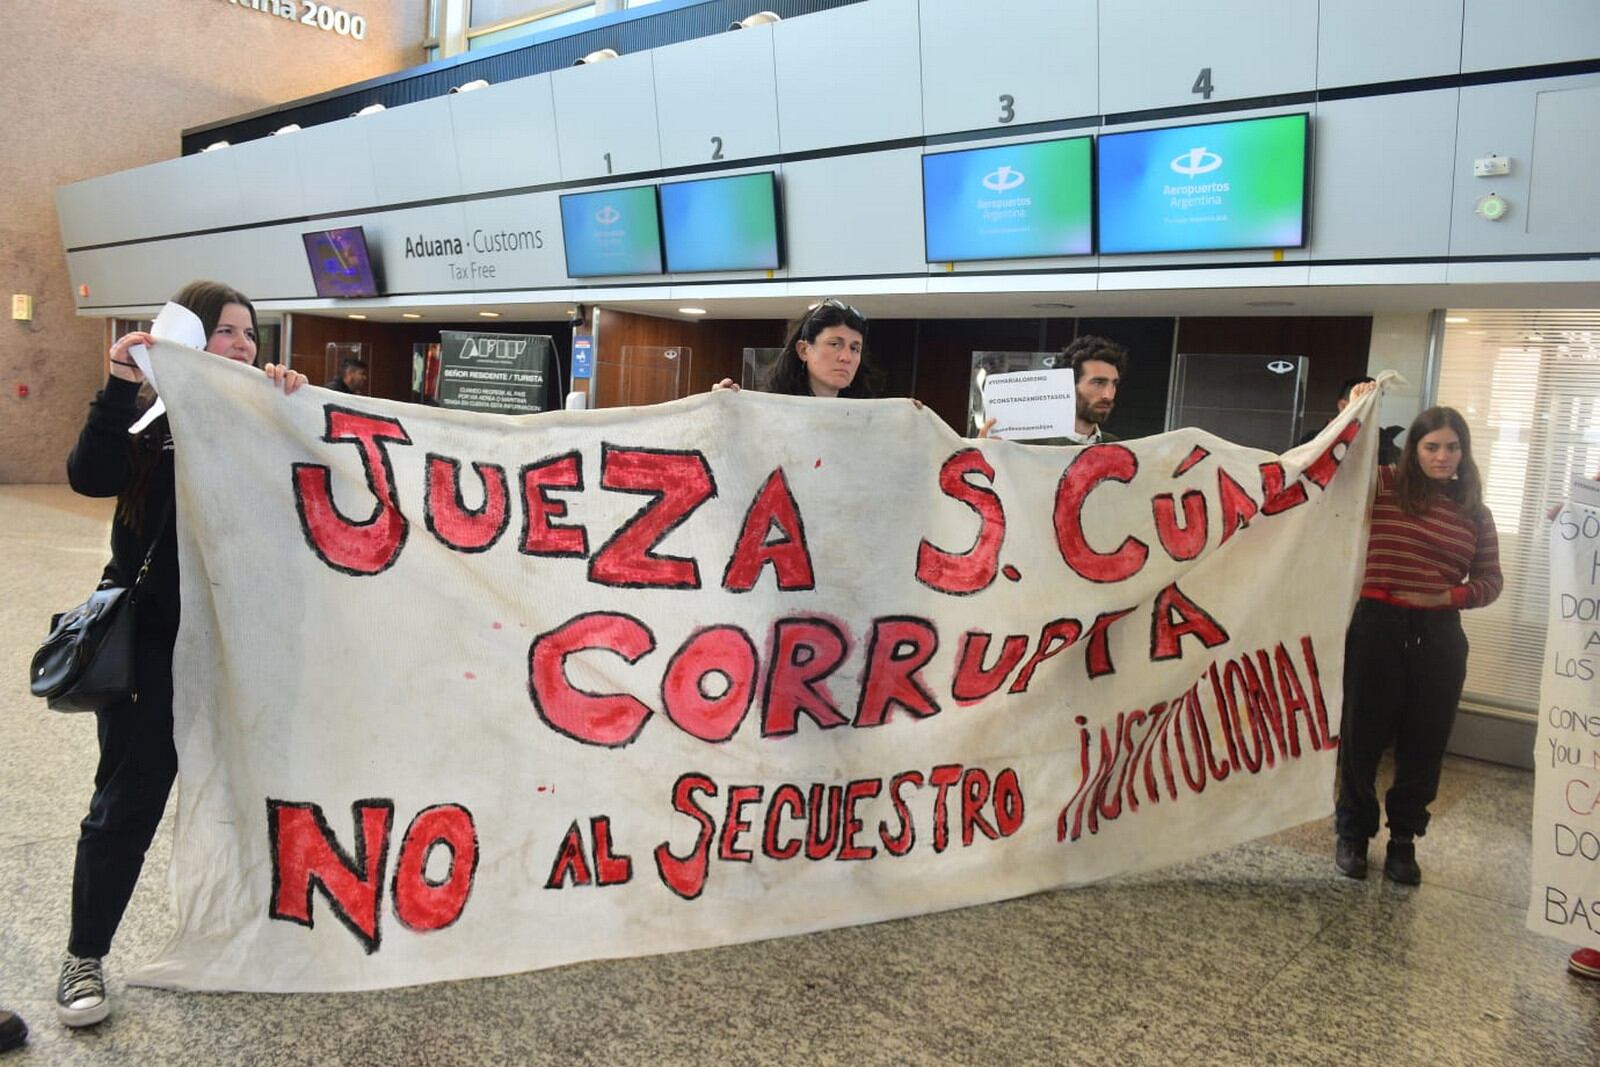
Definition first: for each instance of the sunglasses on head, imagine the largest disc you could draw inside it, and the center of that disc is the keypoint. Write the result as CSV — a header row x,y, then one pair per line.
x,y
837,305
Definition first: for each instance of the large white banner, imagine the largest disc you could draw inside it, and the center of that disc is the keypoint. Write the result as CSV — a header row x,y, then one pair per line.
x,y
465,694
1565,900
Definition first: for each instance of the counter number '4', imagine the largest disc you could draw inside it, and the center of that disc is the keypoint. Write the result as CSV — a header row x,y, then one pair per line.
x,y
1202,83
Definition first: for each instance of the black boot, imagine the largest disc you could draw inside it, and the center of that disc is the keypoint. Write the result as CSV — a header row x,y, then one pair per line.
x,y
13,1031
1400,863
1350,856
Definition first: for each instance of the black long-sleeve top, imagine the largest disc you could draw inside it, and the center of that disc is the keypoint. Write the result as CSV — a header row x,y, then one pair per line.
x,y
138,471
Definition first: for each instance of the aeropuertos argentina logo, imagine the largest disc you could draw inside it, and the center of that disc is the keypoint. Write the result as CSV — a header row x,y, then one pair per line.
x,y
607,215
1004,179
1196,161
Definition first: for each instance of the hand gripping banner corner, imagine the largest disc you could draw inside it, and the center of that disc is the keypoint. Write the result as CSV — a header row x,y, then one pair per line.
x,y
464,695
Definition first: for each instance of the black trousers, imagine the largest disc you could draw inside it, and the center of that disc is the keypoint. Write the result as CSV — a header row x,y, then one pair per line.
x,y
137,765
1403,672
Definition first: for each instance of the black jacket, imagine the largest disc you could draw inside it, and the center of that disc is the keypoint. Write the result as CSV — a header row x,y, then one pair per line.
x,y
138,471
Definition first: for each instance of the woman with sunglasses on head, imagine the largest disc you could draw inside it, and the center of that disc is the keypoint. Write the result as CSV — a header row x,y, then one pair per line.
x,y
823,355
137,758
1431,551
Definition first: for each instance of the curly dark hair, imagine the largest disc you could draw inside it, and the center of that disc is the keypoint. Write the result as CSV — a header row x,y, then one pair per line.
x,y
1412,485
1088,346
789,372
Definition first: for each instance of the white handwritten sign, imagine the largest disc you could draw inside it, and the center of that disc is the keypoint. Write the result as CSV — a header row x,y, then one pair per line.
x,y
1565,898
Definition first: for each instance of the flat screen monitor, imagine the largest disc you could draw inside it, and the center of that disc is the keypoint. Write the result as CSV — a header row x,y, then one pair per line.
x,y
1012,202
340,265
1219,185
611,232
722,224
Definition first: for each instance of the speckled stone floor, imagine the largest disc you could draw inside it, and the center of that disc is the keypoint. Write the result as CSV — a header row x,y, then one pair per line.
x,y
1261,954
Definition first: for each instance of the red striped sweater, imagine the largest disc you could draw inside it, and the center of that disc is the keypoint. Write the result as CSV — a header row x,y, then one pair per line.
x,y
1442,550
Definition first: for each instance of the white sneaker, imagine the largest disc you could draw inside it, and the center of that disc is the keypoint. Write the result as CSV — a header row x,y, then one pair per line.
x,y
81,994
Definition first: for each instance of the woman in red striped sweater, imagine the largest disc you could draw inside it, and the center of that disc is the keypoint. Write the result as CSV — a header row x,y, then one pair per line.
x,y
1431,551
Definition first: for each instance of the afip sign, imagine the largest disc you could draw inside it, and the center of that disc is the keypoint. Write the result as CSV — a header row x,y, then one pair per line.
x,y
508,373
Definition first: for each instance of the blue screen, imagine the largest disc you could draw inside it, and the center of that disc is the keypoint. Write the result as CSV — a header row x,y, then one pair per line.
x,y
613,231
1010,202
340,265
721,224
1214,186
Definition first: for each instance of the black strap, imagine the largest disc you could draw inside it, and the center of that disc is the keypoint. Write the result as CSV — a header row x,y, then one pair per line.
x,y
144,568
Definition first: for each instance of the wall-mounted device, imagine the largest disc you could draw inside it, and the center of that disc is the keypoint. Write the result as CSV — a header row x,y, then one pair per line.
x,y
1493,207
1492,166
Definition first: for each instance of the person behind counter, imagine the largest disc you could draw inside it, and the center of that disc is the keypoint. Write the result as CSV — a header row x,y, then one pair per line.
x,y
824,355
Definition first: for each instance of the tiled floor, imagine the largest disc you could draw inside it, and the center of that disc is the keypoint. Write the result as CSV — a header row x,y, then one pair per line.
x,y
1262,954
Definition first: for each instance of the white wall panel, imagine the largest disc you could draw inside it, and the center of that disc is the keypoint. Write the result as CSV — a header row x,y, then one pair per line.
x,y
1151,51
1566,165
198,192
505,135
1497,35
82,209
1360,42
1501,119
717,98
993,63
267,176
150,272
855,214
413,152
335,166
515,223
1381,175
850,75
606,118
195,192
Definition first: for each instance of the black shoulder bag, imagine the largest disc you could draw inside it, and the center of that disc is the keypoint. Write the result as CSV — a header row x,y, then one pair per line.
x,y
87,662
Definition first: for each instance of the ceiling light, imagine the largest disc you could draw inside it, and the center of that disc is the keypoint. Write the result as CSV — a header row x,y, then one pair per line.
x,y
293,127
410,315
691,311
353,315
1456,319
760,18
488,314
214,145
370,109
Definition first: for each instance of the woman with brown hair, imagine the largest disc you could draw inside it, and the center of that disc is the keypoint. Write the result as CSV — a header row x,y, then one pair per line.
x,y
1431,551
137,759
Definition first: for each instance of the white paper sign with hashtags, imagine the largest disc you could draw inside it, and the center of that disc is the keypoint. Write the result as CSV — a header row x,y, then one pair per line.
x,y
464,694
1031,403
